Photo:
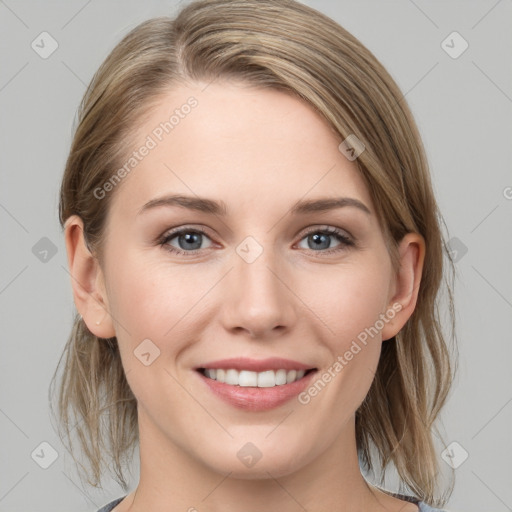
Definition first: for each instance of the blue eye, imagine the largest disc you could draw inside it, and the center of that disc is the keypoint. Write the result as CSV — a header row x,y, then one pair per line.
x,y
189,240
319,237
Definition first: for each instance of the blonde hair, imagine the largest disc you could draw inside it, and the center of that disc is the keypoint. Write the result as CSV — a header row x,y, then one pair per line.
x,y
287,46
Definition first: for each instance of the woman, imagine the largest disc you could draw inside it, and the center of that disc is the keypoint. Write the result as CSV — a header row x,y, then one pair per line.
x,y
256,256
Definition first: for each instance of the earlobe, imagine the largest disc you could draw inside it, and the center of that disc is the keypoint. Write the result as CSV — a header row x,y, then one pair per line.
x,y
406,283
87,281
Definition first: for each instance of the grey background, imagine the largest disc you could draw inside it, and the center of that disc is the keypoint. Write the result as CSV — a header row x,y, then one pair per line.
x,y
463,107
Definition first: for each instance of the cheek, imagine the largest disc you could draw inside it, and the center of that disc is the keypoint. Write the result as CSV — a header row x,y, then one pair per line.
x,y
135,292
354,300
152,299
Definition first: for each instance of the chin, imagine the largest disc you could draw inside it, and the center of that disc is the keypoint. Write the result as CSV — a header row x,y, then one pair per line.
x,y
259,471
249,463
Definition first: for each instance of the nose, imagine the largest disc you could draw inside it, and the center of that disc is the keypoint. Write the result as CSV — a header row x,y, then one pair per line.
x,y
258,299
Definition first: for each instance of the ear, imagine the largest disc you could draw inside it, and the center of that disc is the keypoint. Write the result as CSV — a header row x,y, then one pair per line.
x,y
87,281
406,283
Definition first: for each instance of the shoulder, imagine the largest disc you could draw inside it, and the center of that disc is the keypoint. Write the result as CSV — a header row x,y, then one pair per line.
x,y
423,507
109,506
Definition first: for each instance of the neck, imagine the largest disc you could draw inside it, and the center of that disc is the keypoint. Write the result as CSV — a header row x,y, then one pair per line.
x,y
173,480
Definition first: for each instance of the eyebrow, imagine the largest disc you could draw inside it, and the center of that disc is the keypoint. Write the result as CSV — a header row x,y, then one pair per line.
x,y
210,206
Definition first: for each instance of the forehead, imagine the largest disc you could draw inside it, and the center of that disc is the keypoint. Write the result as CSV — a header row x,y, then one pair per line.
x,y
240,144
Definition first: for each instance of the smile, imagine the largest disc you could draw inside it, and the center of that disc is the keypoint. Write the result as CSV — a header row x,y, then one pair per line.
x,y
247,378
255,391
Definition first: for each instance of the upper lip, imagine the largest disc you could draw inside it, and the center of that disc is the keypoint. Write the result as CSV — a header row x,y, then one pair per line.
x,y
256,365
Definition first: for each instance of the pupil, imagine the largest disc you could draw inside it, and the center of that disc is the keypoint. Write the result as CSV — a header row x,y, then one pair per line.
x,y
317,238
189,238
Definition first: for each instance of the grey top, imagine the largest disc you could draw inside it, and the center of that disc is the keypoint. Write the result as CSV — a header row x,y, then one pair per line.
x,y
109,506
421,505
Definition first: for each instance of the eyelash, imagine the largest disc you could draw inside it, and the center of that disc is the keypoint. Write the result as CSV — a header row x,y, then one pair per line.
x,y
346,242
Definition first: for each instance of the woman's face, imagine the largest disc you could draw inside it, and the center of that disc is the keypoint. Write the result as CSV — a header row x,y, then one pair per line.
x,y
259,278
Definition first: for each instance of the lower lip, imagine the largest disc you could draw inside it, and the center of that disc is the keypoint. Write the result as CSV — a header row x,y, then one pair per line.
x,y
257,399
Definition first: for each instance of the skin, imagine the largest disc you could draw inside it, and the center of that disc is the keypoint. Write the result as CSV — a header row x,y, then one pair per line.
x,y
259,151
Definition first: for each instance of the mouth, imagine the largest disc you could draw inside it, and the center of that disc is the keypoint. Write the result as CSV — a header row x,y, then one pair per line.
x,y
253,391
252,379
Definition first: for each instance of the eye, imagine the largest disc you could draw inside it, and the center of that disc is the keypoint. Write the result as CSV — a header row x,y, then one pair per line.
x,y
320,239
187,238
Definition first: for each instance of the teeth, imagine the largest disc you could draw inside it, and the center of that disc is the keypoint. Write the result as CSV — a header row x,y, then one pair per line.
x,y
245,378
